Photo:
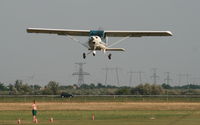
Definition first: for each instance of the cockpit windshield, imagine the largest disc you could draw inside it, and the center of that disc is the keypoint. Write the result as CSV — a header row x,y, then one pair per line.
x,y
99,33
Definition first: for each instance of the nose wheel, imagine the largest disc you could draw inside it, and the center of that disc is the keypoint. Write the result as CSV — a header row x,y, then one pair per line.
x,y
109,56
94,53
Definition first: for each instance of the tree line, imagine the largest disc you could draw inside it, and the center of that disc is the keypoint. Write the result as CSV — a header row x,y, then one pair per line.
x,y
53,88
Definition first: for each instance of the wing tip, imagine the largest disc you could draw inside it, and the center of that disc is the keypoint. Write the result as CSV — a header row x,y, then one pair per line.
x,y
169,33
28,30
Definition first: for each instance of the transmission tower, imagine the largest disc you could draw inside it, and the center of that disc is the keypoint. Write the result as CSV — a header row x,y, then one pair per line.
x,y
116,69
80,73
185,78
154,76
117,74
107,69
195,80
180,76
167,79
131,77
139,74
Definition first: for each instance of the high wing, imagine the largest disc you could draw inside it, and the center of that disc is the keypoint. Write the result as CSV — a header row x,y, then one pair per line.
x,y
110,33
59,31
136,33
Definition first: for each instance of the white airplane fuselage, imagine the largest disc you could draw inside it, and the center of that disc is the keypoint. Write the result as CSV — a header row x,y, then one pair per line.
x,y
95,43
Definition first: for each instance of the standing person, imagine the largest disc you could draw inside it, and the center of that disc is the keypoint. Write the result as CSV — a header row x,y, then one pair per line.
x,y
34,112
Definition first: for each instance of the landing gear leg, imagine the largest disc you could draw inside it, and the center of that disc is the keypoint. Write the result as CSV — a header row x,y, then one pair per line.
x,y
84,55
109,56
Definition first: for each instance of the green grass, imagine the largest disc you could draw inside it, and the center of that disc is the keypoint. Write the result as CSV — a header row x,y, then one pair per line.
x,y
97,99
104,117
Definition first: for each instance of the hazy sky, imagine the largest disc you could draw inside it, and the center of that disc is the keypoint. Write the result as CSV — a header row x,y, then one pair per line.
x,y
52,57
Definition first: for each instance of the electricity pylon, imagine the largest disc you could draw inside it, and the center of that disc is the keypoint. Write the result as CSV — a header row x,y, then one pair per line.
x,y
80,73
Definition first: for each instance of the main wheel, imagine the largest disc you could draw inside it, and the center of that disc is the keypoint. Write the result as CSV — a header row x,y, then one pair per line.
x,y
109,56
94,53
84,55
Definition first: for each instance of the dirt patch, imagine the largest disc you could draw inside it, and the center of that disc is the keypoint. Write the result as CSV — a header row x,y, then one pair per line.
x,y
102,106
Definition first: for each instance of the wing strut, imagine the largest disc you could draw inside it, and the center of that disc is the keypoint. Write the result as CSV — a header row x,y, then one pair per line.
x,y
76,40
117,42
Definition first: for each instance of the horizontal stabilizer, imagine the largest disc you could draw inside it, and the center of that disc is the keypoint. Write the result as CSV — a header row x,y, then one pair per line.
x,y
115,49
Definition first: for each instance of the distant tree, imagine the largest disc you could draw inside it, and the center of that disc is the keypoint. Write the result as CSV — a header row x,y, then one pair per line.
x,y
111,86
53,86
99,85
138,90
92,86
47,91
35,87
84,86
75,86
65,87
190,86
147,89
123,91
25,89
12,89
156,90
3,87
166,86
18,85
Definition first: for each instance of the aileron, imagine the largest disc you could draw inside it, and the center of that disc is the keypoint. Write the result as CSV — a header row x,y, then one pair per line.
x,y
137,33
59,31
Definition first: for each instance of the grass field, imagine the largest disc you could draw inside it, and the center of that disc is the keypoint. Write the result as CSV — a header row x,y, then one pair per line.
x,y
106,113
105,117
100,99
107,110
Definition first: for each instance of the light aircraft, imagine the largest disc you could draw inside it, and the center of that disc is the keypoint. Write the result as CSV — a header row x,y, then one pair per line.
x,y
98,38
